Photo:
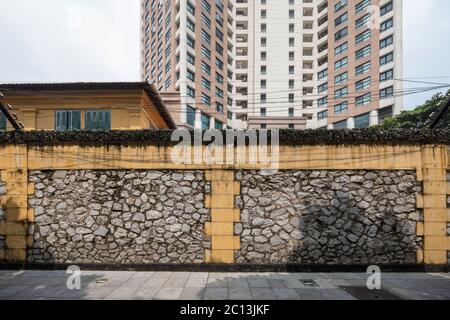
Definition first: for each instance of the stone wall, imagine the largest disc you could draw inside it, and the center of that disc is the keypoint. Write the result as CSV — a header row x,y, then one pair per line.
x,y
2,216
328,217
119,217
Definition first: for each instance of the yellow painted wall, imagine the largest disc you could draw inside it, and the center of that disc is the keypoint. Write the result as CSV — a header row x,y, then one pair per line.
x,y
430,163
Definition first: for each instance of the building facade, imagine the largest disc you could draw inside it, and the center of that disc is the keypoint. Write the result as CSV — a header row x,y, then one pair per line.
x,y
187,47
333,63
87,106
285,63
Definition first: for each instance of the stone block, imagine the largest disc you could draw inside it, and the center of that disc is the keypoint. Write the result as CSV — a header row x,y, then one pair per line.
x,y
16,242
435,257
219,228
225,215
435,215
222,202
17,214
435,243
16,255
225,242
435,229
222,256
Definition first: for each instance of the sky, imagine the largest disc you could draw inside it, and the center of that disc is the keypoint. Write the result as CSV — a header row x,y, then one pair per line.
x,y
98,40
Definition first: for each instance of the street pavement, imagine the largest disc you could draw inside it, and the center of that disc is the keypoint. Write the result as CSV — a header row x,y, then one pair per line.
x,y
119,285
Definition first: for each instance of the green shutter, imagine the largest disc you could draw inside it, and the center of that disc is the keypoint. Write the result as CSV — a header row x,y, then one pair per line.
x,y
76,120
98,120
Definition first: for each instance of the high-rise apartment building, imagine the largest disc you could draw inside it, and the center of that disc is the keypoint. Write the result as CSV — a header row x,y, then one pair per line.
x,y
331,62
281,63
187,47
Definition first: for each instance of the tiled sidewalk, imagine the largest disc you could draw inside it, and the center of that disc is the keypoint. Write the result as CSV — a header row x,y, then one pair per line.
x,y
213,286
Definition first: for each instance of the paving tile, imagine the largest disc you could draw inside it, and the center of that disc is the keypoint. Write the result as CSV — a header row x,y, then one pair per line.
x,y
277,283
239,294
192,294
218,282
286,294
155,282
264,294
199,275
122,293
168,294
310,294
216,294
13,290
145,293
336,294
98,293
196,283
238,282
258,283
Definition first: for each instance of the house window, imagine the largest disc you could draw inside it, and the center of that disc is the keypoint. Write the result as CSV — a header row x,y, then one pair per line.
x,y
97,120
68,120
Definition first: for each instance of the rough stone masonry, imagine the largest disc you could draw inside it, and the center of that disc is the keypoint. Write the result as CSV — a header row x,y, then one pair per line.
x,y
2,215
328,217
119,217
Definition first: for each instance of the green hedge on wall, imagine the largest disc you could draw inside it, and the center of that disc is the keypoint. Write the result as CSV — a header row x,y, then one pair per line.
x,y
371,136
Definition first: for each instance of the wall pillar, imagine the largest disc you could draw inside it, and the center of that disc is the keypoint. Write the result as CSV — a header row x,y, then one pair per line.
x,y
434,204
14,175
224,243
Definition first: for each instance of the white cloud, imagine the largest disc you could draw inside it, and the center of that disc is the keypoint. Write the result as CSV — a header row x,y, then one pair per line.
x,y
70,40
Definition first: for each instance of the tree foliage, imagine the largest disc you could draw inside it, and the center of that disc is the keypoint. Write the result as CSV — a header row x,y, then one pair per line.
x,y
420,116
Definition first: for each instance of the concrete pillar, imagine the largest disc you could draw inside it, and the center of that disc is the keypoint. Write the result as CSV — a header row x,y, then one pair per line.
x,y
212,123
198,119
351,123
373,118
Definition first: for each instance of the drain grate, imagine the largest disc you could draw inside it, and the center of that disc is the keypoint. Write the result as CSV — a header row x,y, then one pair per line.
x,y
309,283
363,293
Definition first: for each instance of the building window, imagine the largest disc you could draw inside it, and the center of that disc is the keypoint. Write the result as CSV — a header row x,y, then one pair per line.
x,y
387,93
385,113
218,125
341,63
263,112
364,52
68,120
341,107
190,116
362,121
363,84
97,120
340,125
386,25
388,7
387,75
341,93
387,58
363,100
341,49
363,36
205,121
291,112
322,115
386,42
